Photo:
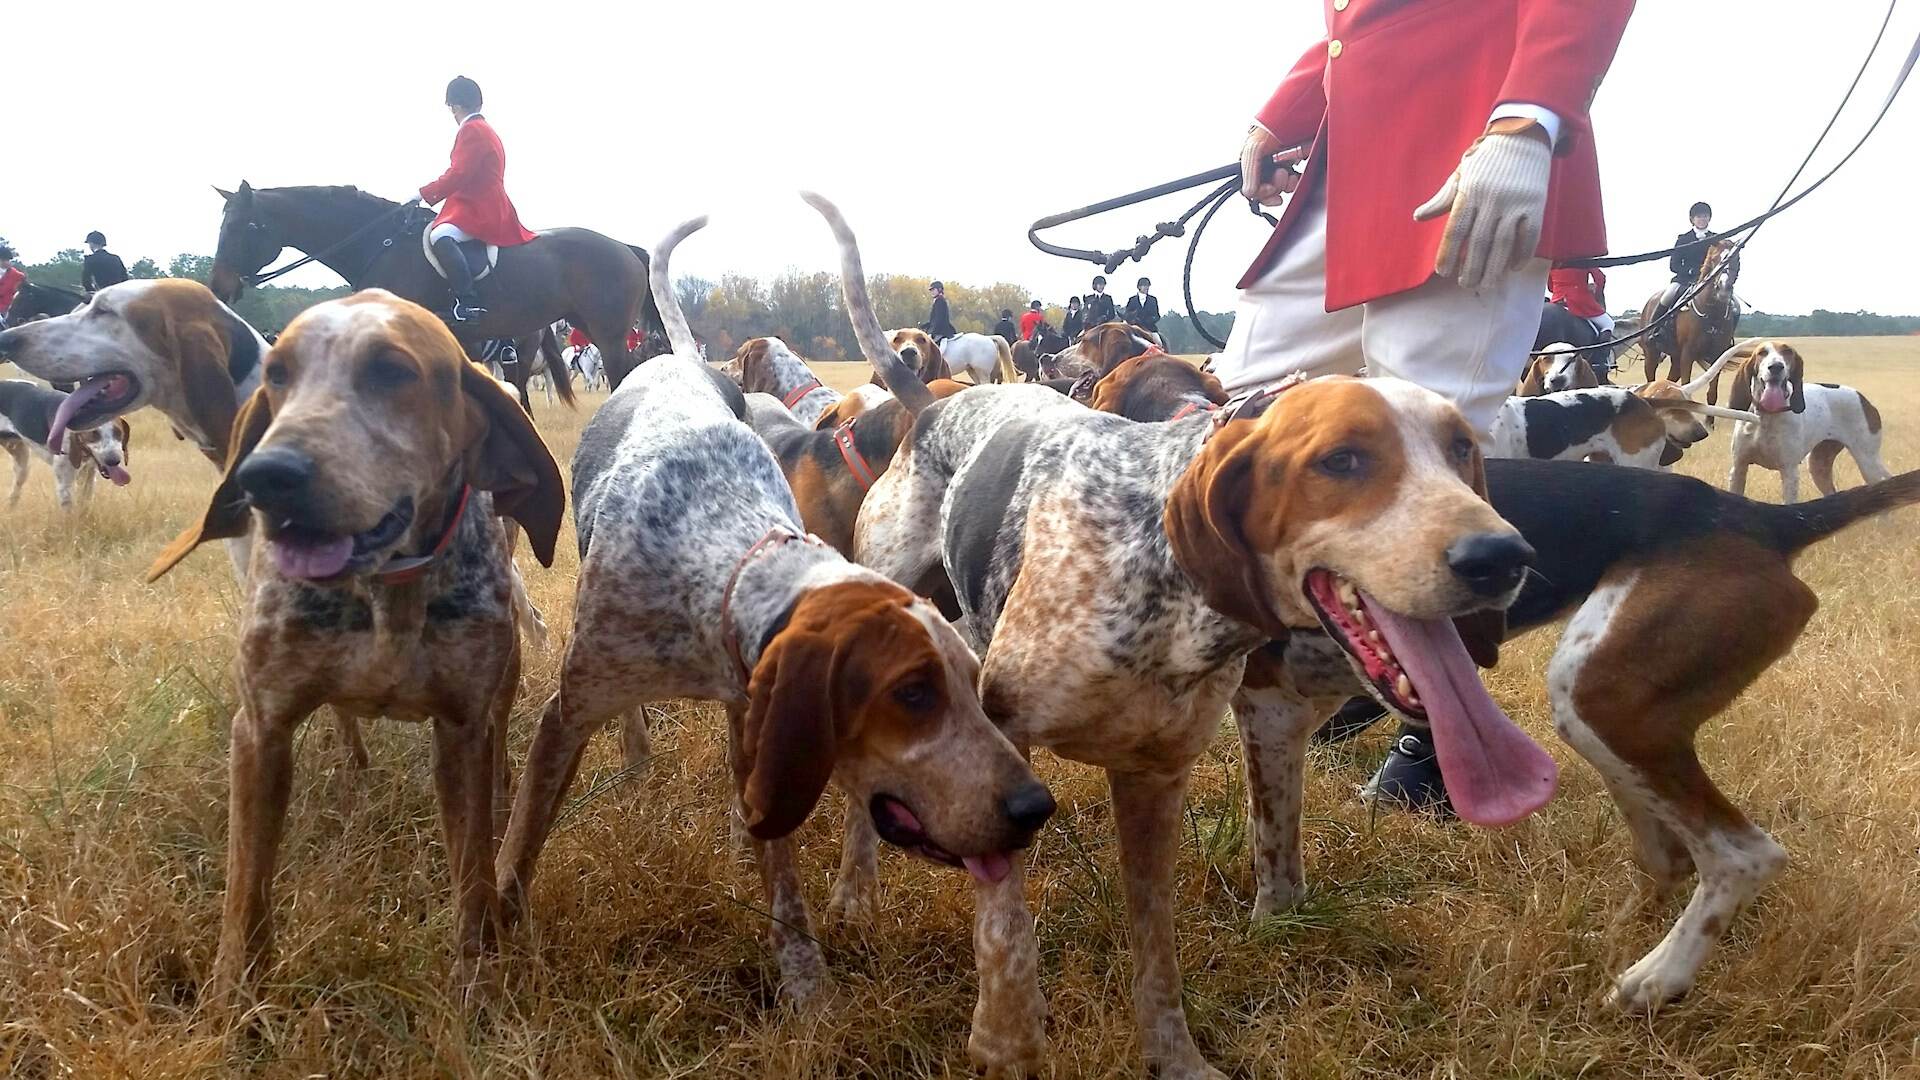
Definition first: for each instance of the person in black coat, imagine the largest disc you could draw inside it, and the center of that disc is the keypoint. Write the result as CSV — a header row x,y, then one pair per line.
x,y
1685,263
1007,332
101,267
939,324
1075,320
1100,307
1143,309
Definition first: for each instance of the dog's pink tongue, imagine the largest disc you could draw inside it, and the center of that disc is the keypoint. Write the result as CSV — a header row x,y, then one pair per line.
x,y
1495,773
312,559
62,416
119,475
990,869
1773,399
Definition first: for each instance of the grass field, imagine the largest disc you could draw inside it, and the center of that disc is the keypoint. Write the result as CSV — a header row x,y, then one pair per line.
x,y
1425,950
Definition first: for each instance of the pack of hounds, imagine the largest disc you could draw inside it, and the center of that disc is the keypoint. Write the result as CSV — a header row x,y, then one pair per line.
x,y
906,590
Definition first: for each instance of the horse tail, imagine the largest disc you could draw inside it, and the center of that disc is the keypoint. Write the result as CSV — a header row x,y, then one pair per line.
x,y
679,334
899,377
1007,374
650,319
558,376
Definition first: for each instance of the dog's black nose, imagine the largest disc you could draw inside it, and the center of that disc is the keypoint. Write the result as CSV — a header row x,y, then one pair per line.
x,y
276,478
1029,806
1490,563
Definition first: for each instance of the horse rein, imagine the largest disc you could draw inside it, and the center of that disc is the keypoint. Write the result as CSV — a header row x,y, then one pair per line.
x,y
259,279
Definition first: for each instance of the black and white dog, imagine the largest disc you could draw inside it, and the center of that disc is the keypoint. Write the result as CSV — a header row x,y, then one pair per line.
x,y
26,421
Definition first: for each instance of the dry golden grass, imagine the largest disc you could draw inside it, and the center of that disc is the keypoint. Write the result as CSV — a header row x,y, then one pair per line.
x,y
1425,951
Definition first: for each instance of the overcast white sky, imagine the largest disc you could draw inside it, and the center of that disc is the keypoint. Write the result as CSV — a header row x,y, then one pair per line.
x,y
941,130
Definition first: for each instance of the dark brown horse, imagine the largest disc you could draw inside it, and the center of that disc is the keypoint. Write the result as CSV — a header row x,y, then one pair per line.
x,y
1704,328
578,275
35,301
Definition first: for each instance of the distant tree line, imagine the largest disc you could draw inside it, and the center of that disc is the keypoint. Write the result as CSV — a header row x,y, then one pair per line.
x,y
806,310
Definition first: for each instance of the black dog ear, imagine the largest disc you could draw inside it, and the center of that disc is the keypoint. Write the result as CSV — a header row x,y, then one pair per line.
x,y
1797,371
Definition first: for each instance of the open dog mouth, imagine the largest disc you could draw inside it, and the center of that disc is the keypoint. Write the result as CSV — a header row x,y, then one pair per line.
x,y
302,551
1774,397
117,473
95,399
1495,773
898,826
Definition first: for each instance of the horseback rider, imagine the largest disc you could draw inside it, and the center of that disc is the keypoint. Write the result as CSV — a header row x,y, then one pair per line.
x,y
939,324
1076,320
11,278
477,210
1143,308
1100,307
1005,328
1031,320
1583,292
1685,264
100,268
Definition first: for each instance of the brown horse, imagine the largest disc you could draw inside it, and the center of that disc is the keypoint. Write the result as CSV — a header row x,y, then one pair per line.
x,y
578,275
1704,329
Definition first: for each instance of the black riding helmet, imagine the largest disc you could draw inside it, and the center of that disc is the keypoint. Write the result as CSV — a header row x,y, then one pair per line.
x,y
1699,208
7,252
97,237
464,92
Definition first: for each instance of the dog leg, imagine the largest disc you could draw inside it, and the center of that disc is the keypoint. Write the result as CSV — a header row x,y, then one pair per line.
x,y
636,742
1790,484
82,489
1275,723
803,970
260,782
1820,465
856,887
63,483
18,448
1737,476
1146,815
1867,460
1009,1034
463,773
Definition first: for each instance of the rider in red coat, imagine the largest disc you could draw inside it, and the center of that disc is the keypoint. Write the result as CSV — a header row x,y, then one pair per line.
x,y
1582,292
475,192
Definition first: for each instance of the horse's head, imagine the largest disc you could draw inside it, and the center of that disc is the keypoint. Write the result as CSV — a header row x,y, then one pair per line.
x,y
247,243
1720,267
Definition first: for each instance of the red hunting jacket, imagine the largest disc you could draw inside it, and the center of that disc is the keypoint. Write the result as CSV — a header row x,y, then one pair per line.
x,y
1579,290
474,187
1399,89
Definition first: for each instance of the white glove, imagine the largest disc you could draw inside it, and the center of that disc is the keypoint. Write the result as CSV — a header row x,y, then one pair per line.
x,y
1494,200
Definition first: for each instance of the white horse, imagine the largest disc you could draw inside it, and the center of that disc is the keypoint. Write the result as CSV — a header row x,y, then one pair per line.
x,y
586,361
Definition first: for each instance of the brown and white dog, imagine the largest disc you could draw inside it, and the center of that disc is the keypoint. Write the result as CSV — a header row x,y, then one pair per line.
x,y
1555,368
378,463
1795,422
1643,427
27,412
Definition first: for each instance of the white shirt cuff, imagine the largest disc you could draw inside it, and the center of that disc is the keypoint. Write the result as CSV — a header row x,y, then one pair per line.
x,y
1544,116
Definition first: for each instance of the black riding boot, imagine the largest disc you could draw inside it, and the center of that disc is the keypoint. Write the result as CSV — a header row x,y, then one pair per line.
x,y
466,297
1410,777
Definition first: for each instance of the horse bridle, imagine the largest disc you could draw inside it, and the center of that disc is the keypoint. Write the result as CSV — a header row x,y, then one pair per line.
x,y
259,278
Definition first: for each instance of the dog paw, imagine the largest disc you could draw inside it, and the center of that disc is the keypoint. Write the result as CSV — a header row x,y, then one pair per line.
x,y
853,902
1645,987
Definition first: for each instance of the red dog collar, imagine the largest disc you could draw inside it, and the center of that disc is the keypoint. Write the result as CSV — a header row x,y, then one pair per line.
x,y
774,538
805,388
400,570
863,473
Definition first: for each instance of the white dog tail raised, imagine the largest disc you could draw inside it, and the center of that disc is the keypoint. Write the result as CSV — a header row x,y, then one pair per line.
x,y
1713,371
679,334
900,378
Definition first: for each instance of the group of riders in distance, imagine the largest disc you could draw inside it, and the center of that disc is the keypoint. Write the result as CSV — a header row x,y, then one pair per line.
x,y
502,287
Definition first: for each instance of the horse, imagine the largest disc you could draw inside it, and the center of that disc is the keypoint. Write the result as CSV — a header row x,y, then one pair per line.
x,y
585,363
588,279
35,301
1560,326
1032,358
984,357
1704,328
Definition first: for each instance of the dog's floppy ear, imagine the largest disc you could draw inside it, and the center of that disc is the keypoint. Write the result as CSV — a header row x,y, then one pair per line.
x,y
1532,383
1797,371
1204,522
507,457
1740,394
227,512
787,742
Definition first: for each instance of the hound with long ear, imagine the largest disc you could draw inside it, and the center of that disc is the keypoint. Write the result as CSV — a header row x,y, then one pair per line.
x,y
696,581
377,462
1555,368
767,365
28,412
1794,421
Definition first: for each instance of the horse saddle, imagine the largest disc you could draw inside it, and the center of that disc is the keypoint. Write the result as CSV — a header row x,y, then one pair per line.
x,y
433,258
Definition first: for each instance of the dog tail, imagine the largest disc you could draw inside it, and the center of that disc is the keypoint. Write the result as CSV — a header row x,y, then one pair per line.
x,y
1803,524
905,382
678,333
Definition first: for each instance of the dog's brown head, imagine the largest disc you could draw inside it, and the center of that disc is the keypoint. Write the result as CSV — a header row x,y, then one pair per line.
x,y
765,365
869,683
1554,369
920,352
1109,345
107,449
1772,380
1358,505
368,420
1156,387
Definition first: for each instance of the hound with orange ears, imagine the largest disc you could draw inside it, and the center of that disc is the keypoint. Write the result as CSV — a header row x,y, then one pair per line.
x,y
696,580
1796,421
377,461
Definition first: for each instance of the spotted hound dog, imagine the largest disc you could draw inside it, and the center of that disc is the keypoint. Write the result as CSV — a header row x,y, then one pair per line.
x,y
377,462
27,415
766,365
1646,427
1116,576
1555,368
1658,573
697,580
1797,422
